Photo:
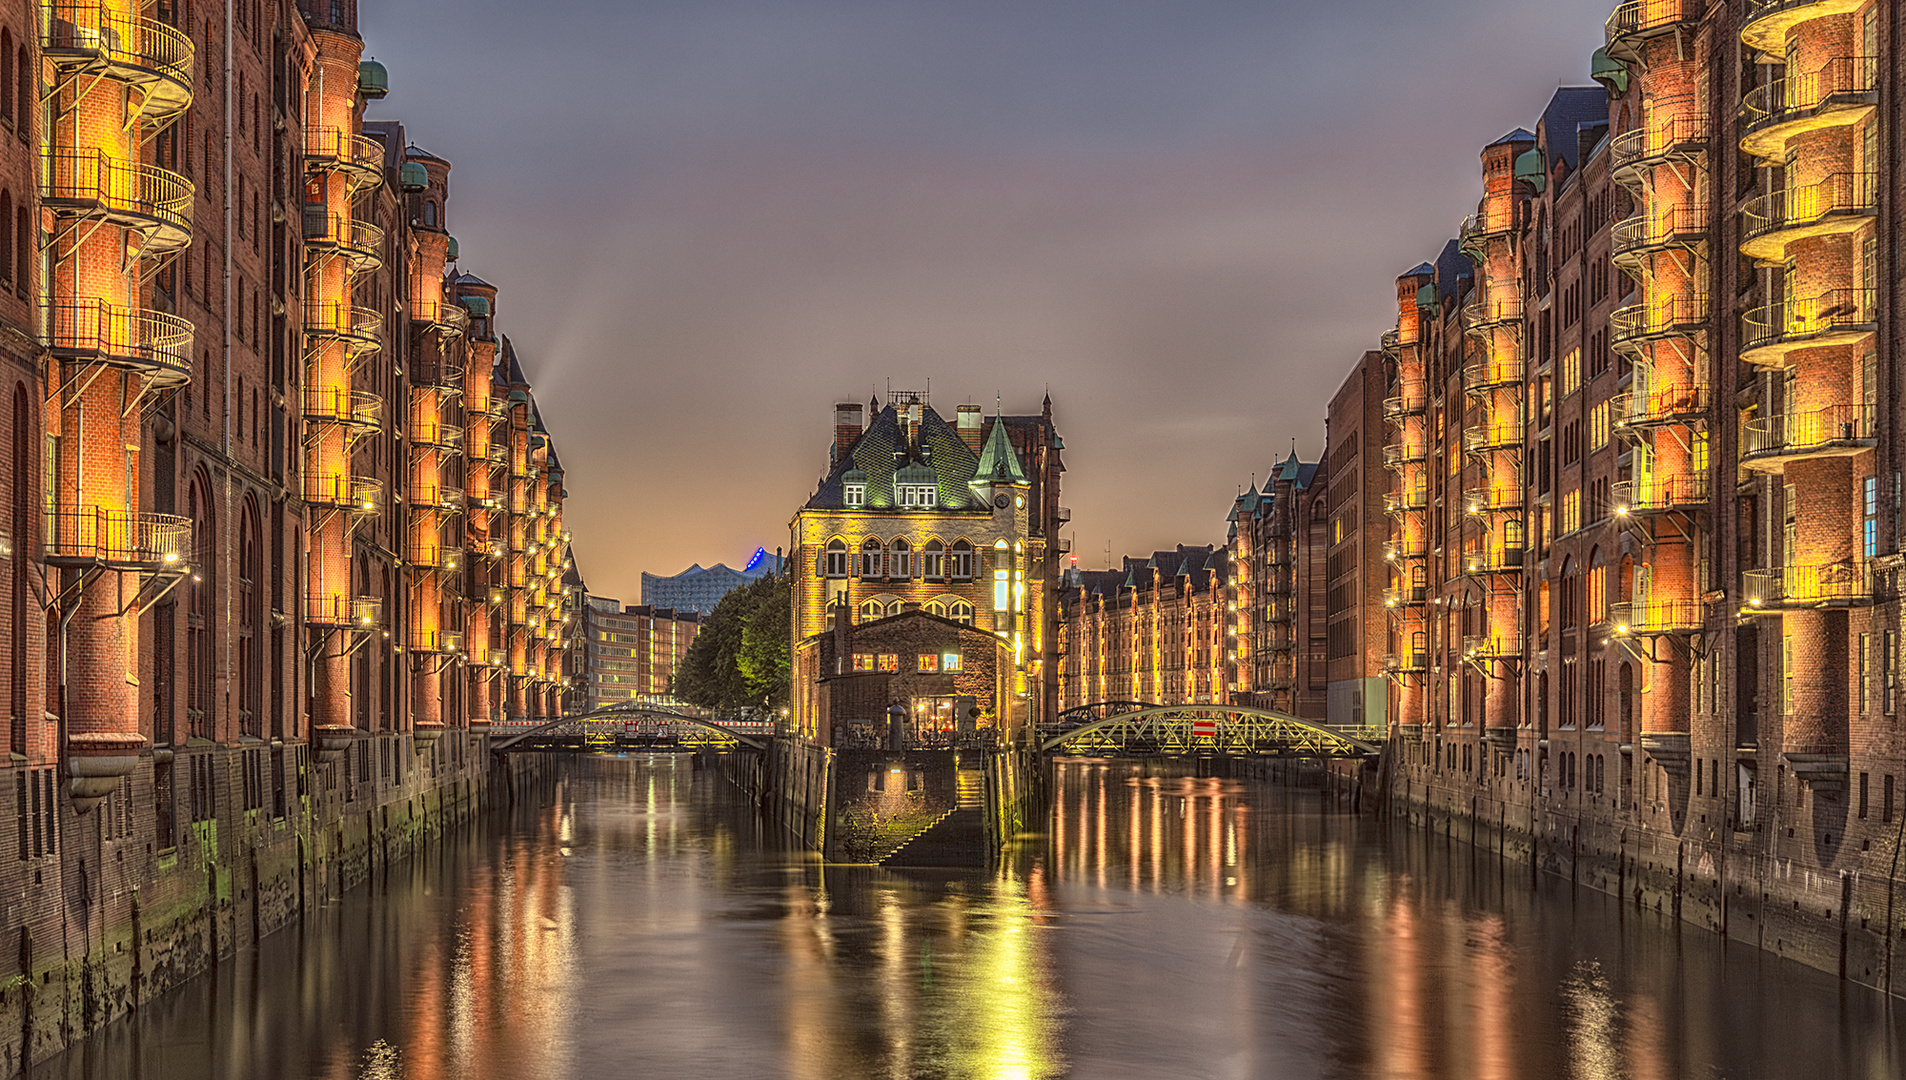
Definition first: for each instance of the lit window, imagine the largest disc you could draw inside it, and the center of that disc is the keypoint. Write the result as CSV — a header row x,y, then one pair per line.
x,y
889,662
960,561
863,661
1002,590
929,663
951,662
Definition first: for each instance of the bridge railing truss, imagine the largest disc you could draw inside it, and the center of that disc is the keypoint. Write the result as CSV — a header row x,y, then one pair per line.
x,y
1143,730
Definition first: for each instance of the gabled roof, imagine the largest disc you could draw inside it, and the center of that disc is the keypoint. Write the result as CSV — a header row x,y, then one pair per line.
x,y
882,451
998,461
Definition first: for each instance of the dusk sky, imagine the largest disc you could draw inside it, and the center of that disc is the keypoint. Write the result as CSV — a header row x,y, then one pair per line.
x,y
711,219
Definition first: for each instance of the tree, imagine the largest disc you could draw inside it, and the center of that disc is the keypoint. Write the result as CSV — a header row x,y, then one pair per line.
x,y
740,658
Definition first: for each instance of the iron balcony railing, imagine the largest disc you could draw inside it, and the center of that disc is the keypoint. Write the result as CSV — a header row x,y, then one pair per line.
x,y
358,494
1405,547
119,539
1659,229
1837,429
356,408
1839,203
1493,499
1766,22
1839,92
360,328
1501,559
438,497
152,343
155,202
431,553
1658,494
1484,315
1411,399
1637,21
1835,317
1494,435
1499,219
1391,341
1405,663
1397,455
360,158
435,640
1405,595
1407,501
1632,327
432,431
132,49
1677,137
1815,585
1652,615
437,373
1490,373
360,242
1655,406
443,314
1489,646
357,612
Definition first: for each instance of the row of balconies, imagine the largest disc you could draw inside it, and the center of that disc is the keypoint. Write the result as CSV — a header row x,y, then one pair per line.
x,y
139,52
1837,204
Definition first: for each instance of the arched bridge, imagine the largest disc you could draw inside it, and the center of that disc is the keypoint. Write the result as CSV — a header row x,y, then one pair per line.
x,y
1143,729
634,726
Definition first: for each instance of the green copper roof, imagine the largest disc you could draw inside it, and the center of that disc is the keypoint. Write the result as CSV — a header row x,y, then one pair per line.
x,y
997,461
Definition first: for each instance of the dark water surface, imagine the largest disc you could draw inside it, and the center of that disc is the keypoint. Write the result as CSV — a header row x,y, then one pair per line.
x,y
634,922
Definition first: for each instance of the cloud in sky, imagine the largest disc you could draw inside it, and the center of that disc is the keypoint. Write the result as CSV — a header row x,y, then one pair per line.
x,y
710,219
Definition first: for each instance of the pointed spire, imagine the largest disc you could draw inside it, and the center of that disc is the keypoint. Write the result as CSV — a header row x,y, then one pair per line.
x,y
998,462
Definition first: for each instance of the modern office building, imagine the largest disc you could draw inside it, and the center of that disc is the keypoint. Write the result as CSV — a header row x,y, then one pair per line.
x,y
632,652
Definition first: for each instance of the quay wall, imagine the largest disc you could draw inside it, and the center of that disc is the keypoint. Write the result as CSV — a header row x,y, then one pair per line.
x,y
102,916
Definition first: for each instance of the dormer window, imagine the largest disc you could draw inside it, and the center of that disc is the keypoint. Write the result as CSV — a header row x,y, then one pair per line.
x,y
919,496
855,495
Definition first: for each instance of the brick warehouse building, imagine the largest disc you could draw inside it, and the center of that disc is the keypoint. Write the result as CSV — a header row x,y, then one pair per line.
x,y
284,528
1154,630
960,521
1640,546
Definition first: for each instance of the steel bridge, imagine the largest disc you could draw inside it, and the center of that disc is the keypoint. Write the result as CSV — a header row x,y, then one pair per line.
x,y
641,725
1145,729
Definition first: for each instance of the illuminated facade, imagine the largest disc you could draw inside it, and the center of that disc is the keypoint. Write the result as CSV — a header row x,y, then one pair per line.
x,y
1155,630
250,621
1278,541
958,520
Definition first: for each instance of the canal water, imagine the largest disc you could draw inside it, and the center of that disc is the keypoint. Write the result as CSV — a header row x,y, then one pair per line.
x,y
633,920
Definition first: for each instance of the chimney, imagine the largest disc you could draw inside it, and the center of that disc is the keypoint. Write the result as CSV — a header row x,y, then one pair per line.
x,y
972,421
847,427
913,424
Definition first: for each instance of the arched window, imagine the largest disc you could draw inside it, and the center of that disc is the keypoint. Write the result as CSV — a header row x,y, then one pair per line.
x,y
893,607
7,85
960,612
836,564
1568,587
960,561
871,610
870,558
935,607
198,612
933,561
23,94
900,560
430,213
1597,588
6,236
